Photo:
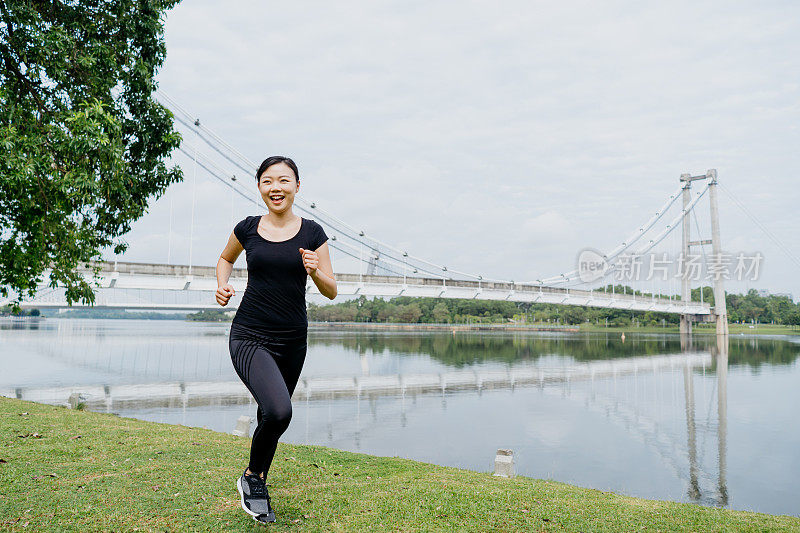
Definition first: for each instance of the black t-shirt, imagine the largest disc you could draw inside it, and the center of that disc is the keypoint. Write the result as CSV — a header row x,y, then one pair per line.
x,y
275,297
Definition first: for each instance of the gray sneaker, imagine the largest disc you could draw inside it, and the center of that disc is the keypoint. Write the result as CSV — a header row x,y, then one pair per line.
x,y
255,498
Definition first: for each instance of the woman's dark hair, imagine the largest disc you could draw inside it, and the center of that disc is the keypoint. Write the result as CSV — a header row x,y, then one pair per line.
x,y
274,160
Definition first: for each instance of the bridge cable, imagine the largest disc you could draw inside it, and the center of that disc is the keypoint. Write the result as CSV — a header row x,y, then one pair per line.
x,y
769,234
702,250
216,148
673,224
318,210
656,240
169,238
217,140
627,243
194,201
404,264
337,245
248,198
344,232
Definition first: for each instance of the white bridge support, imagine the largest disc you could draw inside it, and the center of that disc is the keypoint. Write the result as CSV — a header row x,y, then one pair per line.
x,y
719,314
720,306
179,287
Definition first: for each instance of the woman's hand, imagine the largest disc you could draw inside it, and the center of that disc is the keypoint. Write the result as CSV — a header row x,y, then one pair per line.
x,y
310,261
224,294
318,265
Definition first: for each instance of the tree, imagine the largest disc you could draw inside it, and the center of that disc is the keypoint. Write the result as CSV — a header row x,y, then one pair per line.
x,y
441,313
409,313
794,318
82,142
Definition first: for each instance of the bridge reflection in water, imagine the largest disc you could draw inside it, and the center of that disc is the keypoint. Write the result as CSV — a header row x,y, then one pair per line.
x,y
180,373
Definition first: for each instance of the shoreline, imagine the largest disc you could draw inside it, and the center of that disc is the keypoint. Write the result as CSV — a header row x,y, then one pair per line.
x,y
734,329
388,326
62,468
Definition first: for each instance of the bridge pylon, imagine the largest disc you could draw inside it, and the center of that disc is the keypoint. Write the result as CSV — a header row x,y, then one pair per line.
x,y
720,312
720,306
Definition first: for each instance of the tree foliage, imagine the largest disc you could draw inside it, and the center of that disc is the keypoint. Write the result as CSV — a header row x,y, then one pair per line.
x,y
82,142
741,308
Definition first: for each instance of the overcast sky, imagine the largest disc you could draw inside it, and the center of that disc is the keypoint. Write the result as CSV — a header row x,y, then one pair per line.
x,y
496,138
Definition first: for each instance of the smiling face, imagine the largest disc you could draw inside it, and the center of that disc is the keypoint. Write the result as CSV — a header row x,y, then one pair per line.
x,y
277,186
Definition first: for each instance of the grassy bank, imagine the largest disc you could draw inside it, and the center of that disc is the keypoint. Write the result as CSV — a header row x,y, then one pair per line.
x,y
760,329
419,326
700,329
70,470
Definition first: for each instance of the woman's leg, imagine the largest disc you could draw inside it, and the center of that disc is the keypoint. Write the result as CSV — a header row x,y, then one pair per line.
x,y
289,356
270,371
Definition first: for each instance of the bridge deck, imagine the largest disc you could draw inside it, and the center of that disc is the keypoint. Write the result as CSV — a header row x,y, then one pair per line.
x,y
198,283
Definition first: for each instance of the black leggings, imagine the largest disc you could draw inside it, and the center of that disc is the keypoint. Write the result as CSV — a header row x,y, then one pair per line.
x,y
269,364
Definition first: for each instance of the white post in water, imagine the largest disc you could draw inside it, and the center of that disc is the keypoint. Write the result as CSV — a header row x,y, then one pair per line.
x,y
720,307
74,400
243,426
504,463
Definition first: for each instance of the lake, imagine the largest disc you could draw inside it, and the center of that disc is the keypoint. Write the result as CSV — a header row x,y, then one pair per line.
x,y
649,416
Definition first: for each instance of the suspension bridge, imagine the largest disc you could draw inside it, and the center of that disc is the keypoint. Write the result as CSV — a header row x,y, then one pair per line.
x,y
384,270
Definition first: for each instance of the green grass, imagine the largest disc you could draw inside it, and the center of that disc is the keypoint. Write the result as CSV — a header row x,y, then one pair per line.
x,y
762,329
590,327
71,470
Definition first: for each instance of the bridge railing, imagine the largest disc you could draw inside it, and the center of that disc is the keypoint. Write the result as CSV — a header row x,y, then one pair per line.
x,y
241,273
203,278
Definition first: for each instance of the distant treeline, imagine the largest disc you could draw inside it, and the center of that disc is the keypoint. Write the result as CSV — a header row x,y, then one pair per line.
x,y
7,310
88,312
748,307
211,315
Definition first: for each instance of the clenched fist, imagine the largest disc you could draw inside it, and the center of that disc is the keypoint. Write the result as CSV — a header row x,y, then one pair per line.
x,y
310,260
224,294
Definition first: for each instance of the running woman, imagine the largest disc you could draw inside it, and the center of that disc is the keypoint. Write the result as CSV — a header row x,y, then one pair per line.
x,y
269,331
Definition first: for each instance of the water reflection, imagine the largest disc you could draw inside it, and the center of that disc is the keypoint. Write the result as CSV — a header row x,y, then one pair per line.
x,y
722,415
647,416
465,349
695,493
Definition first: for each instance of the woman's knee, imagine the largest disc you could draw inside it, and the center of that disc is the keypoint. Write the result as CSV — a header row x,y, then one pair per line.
x,y
284,415
278,417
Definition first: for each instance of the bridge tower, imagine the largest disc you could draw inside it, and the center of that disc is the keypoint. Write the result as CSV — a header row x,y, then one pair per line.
x,y
686,293
720,312
720,306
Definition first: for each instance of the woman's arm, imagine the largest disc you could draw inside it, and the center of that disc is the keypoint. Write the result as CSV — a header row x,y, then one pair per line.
x,y
318,266
224,268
